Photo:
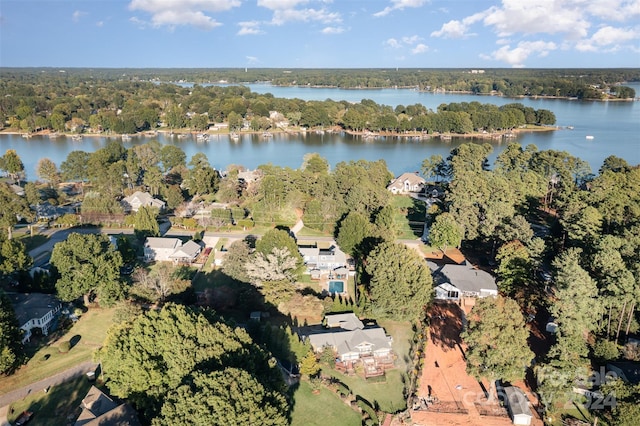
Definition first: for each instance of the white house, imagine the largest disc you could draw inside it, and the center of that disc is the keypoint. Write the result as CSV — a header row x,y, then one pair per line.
x,y
159,249
350,338
141,199
35,310
323,259
464,281
407,183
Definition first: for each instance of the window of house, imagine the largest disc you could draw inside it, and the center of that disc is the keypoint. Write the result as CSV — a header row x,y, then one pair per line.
x,y
452,294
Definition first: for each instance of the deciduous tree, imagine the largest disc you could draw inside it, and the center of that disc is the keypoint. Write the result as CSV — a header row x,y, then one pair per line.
x,y
88,265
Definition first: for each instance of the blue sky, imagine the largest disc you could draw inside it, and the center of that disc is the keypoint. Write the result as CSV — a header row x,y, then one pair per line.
x,y
320,33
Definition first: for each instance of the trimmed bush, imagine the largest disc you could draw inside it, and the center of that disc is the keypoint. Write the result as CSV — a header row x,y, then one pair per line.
x,y
64,347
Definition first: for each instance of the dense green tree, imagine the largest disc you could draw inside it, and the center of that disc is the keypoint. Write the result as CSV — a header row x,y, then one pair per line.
x,y
146,223
354,228
514,269
445,232
11,206
149,359
202,178
309,365
10,337
232,396
574,309
74,168
434,166
88,266
401,283
11,163
172,156
238,254
279,238
14,257
385,224
496,327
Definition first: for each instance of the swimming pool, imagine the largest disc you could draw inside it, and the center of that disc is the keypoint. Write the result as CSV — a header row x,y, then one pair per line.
x,y
336,287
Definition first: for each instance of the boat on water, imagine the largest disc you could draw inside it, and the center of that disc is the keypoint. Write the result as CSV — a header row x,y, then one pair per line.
x,y
234,136
202,137
266,135
76,137
26,135
53,135
126,137
182,136
589,137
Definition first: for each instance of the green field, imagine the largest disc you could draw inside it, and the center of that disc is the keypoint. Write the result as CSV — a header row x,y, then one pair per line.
x,y
409,216
323,409
88,333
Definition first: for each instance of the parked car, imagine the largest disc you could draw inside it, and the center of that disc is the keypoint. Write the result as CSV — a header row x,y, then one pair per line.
x,y
24,418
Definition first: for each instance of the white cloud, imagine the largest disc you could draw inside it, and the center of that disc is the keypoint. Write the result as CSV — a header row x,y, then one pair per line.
x,y
140,23
458,29
100,24
183,12
607,38
77,15
420,48
286,11
518,55
249,28
400,5
393,43
332,30
411,39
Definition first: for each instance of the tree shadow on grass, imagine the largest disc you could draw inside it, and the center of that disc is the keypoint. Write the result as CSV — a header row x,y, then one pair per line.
x,y
75,340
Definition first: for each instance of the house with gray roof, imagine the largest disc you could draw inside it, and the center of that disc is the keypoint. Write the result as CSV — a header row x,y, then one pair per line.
x,y
99,409
350,338
35,310
160,249
138,199
407,183
464,281
326,260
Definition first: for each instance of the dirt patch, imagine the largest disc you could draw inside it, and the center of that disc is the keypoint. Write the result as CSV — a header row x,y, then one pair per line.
x,y
453,397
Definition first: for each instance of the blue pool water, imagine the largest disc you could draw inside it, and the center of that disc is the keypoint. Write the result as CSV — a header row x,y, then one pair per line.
x,y
336,286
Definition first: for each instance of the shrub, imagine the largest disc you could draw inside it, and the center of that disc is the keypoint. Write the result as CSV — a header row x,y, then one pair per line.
x,y
606,350
64,347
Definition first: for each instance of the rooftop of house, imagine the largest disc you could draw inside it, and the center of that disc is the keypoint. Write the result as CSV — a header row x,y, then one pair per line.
x,y
517,401
189,249
32,305
413,178
347,321
347,340
162,243
99,409
467,278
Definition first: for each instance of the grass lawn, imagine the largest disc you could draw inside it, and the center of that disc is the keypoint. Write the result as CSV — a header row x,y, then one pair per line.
x,y
54,408
409,216
308,232
91,329
389,395
32,242
323,409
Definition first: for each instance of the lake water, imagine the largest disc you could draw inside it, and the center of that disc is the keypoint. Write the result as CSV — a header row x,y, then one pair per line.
x,y
614,126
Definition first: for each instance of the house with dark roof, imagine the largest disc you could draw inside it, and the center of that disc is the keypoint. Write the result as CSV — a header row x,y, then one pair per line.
x,y
407,183
464,281
98,409
517,405
35,310
350,338
141,199
160,249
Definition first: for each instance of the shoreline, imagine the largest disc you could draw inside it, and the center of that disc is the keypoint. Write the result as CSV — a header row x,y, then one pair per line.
x,y
511,133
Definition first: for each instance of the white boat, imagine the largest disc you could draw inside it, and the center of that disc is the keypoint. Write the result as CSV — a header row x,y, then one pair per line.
x,y
126,137
234,136
589,137
182,136
76,137
202,137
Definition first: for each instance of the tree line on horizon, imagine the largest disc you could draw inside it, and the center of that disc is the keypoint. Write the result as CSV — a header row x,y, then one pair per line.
x,y
78,102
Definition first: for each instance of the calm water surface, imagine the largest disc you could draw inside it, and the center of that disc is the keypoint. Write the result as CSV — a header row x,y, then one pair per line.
x,y
615,127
